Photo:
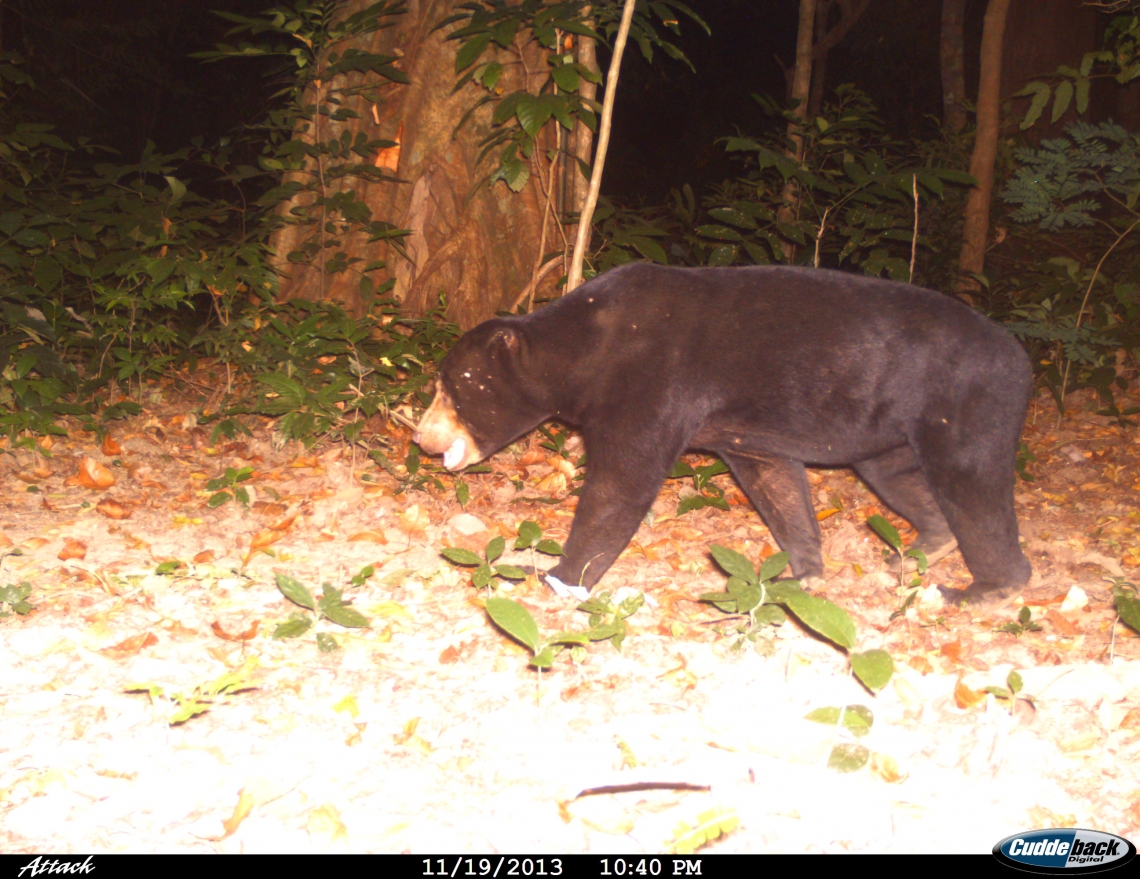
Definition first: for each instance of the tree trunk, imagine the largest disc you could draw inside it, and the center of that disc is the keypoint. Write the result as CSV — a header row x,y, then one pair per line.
x,y
819,61
476,248
973,256
583,136
953,66
801,87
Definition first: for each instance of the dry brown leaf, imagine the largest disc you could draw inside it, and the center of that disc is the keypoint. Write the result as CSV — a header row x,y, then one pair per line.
x,y
36,542
270,509
130,646
151,483
265,538
247,635
1045,602
42,471
241,812
964,697
92,475
72,549
826,514
304,461
45,442
29,478
532,457
1131,720
920,664
47,504
414,519
448,655
388,158
206,555
1062,624
685,533
886,768
5,540
110,447
112,509
371,536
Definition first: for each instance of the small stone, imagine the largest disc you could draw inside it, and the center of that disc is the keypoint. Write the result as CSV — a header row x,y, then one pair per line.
x,y
466,524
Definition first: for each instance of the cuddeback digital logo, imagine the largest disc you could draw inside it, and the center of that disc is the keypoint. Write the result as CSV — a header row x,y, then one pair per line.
x,y
1064,851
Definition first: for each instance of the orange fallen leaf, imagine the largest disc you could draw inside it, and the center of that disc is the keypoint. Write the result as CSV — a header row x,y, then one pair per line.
x,y
448,655
45,442
826,514
952,650
1061,623
414,519
130,646
371,536
1045,602
150,483
110,447
36,542
29,478
47,504
42,471
1131,720
272,509
72,549
964,697
920,664
247,635
388,158
308,461
92,475
5,540
265,538
531,457
206,555
112,509
284,524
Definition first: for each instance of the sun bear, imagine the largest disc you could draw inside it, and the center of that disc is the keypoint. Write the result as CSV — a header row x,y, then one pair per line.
x,y
771,368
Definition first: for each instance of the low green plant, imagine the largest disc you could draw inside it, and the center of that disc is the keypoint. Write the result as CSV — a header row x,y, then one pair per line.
x,y
608,620
228,487
758,596
486,571
853,720
708,493
890,534
16,598
710,826
330,606
1025,623
204,696
516,621
1127,602
1011,692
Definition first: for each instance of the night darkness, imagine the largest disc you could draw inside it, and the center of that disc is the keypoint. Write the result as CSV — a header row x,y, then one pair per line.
x,y
119,73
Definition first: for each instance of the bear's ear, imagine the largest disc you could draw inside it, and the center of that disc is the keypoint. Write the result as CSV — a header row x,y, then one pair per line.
x,y
506,339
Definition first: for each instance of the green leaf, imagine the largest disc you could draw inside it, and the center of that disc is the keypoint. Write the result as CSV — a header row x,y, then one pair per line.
x,y
720,233
693,502
1015,682
470,51
326,643
47,274
177,188
1082,89
491,74
1128,607
856,718
296,625
920,557
874,668
349,617
482,576
495,548
529,534
461,556
722,255
566,77
733,563
510,572
821,615
773,566
649,248
733,217
1061,101
848,757
1041,93
770,615
886,530
550,547
545,657
515,620
462,493
295,591
747,594
216,500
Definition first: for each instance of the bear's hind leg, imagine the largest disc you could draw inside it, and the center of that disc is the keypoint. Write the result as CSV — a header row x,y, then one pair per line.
x,y
896,477
779,490
972,479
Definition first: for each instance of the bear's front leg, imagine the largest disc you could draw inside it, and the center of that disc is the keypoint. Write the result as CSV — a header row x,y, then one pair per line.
x,y
622,481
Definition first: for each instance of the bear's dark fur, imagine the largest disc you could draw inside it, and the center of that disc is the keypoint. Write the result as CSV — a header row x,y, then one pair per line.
x,y
770,368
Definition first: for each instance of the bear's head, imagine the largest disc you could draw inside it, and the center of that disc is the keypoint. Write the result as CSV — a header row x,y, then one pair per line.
x,y
481,397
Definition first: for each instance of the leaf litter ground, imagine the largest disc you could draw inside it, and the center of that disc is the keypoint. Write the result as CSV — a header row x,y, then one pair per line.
x,y
427,732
